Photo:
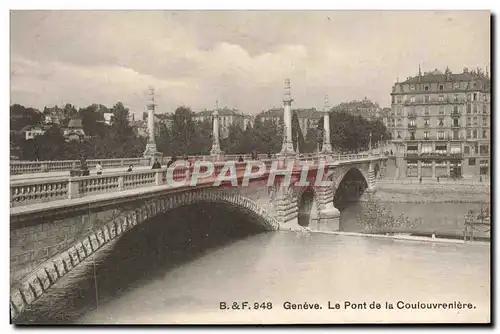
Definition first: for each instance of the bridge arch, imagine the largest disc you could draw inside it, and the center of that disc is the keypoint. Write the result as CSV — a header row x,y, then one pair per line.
x,y
36,284
349,185
307,204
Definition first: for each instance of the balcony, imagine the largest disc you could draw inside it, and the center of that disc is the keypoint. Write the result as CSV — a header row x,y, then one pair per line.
x,y
411,155
412,126
455,126
430,102
433,156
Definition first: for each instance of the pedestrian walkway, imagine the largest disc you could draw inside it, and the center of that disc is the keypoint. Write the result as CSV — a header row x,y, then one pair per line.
x,y
65,173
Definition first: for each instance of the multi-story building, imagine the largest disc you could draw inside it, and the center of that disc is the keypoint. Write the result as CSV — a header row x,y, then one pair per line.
x,y
364,108
308,118
248,121
227,117
440,124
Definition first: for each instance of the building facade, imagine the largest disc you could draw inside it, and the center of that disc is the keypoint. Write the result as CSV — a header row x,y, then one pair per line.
x,y
227,117
308,118
440,124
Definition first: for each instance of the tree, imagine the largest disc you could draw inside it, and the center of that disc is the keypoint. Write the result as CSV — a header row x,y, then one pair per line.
x,y
92,120
297,136
349,133
21,116
183,131
49,146
236,142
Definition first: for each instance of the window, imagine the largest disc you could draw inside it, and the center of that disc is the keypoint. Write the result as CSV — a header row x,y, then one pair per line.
x,y
483,149
483,170
486,97
455,109
469,97
455,135
411,148
441,122
441,135
426,148
474,121
468,108
468,120
399,122
456,85
399,98
412,135
472,161
455,97
426,97
455,122
466,149
485,108
412,99
441,87
412,87
399,135
426,110
474,134
426,135
469,134
475,108
485,134
411,122
393,99
474,97
441,110
426,88
427,122
441,98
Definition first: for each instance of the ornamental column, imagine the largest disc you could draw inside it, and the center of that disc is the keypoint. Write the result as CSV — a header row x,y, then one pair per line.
x,y
327,146
287,146
216,151
151,151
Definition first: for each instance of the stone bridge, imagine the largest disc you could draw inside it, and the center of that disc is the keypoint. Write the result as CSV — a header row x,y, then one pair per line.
x,y
57,223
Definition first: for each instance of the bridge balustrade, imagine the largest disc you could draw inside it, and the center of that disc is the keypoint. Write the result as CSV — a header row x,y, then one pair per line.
x,y
38,192
29,192
27,167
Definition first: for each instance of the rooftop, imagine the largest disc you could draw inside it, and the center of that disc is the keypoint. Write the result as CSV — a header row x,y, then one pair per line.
x,y
301,113
365,103
438,76
75,123
222,112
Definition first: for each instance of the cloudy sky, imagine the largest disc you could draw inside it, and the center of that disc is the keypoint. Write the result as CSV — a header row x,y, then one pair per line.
x,y
240,58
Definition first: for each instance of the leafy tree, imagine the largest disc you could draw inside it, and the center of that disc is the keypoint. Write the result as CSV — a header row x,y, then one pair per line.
x,y
183,131
349,133
297,136
21,116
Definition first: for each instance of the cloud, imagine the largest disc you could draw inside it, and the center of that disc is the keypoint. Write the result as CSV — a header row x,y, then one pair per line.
x,y
240,58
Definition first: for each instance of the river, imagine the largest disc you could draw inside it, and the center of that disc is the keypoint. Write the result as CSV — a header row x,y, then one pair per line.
x,y
179,267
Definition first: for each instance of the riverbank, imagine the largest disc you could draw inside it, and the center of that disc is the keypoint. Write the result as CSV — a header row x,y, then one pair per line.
x,y
400,192
406,237
444,220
